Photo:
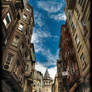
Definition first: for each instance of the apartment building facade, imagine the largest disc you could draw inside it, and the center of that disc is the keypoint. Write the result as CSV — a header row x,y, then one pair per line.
x,y
17,26
38,81
56,83
67,66
79,18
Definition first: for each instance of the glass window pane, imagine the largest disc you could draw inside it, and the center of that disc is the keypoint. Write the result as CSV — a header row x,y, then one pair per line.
x,y
77,40
27,9
5,22
20,27
9,17
24,17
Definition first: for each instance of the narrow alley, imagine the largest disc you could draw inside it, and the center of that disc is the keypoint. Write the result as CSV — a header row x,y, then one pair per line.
x,y
46,45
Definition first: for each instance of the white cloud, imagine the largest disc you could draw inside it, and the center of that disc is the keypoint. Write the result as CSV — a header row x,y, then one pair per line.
x,y
60,16
38,19
38,35
52,71
51,59
34,38
50,6
40,68
37,38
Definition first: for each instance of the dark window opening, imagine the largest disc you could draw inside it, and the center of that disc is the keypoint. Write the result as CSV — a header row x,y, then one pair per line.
x,y
9,58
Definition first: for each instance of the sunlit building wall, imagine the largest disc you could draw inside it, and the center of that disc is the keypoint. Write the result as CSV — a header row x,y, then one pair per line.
x,y
18,52
79,17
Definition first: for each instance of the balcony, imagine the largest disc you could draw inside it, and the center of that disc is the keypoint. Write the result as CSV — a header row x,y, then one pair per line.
x,y
71,4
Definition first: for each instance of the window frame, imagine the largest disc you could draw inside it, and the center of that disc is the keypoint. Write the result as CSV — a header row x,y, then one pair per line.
x,y
9,58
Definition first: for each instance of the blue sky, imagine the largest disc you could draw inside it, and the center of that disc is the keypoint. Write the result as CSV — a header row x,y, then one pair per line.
x,y
48,16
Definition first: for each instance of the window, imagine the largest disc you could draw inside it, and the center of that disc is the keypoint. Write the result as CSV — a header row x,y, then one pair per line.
x,y
7,20
82,58
77,11
24,17
72,25
15,67
69,15
31,20
15,41
27,9
20,27
22,45
83,23
17,71
9,58
81,2
79,48
77,40
84,27
26,32
26,68
85,33
17,62
73,29
21,48
32,53
26,54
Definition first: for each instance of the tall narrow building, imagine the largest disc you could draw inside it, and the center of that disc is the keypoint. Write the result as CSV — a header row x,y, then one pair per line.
x,y
67,66
47,82
18,61
79,17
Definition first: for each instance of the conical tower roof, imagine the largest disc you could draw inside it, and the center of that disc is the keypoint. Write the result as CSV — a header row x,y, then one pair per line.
x,y
46,75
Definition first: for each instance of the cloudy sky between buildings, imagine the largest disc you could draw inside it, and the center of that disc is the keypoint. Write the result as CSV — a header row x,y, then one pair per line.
x,y
48,16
